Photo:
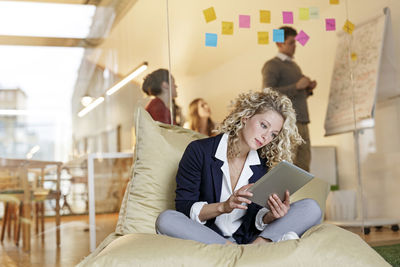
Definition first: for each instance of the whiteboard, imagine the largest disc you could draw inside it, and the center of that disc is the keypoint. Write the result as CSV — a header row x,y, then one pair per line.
x,y
356,79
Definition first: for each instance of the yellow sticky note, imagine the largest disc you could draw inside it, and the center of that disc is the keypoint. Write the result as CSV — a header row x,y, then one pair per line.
x,y
209,14
334,2
227,27
353,56
348,27
304,13
263,37
265,16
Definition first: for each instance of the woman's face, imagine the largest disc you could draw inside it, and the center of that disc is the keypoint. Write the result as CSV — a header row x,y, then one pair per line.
x,y
260,129
165,86
203,109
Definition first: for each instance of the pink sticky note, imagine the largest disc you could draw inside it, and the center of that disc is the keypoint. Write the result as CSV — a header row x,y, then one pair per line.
x,y
302,38
330,24
244,21
287,17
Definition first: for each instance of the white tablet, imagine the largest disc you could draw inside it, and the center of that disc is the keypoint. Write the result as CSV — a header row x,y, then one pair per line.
x,y
284,176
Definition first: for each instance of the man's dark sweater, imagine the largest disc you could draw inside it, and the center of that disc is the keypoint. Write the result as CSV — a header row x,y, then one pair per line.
x,y
283,76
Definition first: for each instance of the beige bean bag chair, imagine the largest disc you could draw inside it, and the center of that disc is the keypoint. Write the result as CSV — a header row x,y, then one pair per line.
x,y
151,190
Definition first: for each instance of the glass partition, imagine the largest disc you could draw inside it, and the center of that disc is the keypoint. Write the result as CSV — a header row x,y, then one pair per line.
x,y
112,74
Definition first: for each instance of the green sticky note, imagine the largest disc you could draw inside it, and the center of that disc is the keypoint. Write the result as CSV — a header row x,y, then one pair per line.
x,y
304,14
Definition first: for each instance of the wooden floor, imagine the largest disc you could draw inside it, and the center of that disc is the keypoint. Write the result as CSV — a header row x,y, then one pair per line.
x,y
378,237
75,242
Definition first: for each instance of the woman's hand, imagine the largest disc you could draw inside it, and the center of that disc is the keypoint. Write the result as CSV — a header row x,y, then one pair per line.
x,y
236,200
277,208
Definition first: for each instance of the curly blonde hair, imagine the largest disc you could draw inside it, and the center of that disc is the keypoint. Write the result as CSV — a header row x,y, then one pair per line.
x,y
249,104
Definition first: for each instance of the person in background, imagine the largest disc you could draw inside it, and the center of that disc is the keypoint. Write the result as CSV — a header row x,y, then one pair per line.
x,y
156,84
212,202
199,118
284,75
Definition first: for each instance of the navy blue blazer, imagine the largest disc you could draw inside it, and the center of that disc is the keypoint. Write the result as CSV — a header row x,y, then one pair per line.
x,y
199,178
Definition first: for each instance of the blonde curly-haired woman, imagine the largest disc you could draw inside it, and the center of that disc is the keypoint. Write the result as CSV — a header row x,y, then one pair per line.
x,y
212,201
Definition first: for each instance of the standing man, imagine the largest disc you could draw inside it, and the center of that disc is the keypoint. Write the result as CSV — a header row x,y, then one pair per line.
x,y
284,75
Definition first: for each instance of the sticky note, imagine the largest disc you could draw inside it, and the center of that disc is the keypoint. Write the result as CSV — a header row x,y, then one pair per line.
x,y
278,36
211,39
334,2
227,27
287,17
304,13
265,16
209,14
348,27
314,12
353,56
330,24
244,21
263,37
302,38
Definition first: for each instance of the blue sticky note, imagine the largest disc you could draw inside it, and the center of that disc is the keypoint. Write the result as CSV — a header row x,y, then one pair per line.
x,y
278,36
211,39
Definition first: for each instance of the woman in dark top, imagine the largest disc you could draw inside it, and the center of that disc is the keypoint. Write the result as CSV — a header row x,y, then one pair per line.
x,y
156,84
212,202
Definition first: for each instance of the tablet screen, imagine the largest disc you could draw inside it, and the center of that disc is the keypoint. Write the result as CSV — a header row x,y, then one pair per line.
x,y
284,176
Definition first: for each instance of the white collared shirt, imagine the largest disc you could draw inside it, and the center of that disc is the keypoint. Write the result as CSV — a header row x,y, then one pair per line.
x,y
228,223
283,56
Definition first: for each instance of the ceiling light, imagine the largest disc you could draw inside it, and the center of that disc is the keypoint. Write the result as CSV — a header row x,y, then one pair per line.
x,y
127,78
86,100
33,150
113,89
91,106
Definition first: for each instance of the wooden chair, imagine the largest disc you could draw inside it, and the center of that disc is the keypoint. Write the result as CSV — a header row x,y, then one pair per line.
x,y
25,194
10,221
14,193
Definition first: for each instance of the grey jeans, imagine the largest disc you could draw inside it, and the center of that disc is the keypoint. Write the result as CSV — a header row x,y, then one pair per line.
x,y
302,215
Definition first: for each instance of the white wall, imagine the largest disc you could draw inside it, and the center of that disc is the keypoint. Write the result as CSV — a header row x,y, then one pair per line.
x,y
220,74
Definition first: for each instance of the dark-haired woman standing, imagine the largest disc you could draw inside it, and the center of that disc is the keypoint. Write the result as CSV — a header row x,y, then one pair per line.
x,y
157,84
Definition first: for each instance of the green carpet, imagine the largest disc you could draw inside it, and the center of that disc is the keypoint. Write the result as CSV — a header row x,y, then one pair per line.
x,y
390,253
